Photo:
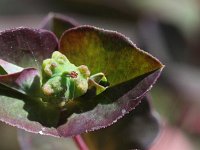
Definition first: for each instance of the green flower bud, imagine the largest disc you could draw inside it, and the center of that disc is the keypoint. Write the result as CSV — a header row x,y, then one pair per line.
x,y
62,81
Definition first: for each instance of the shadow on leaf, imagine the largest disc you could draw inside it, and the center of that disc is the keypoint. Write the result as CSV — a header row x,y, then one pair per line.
x,y
51,116
89,101
137,130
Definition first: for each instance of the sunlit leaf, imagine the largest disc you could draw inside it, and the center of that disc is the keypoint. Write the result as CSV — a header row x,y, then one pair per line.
x,y
108,52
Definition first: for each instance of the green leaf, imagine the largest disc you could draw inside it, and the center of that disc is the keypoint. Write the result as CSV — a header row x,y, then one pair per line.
x,y
108,52
27,113
2,71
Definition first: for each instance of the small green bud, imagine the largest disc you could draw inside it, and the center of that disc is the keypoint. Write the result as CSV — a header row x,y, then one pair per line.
x,y
63,81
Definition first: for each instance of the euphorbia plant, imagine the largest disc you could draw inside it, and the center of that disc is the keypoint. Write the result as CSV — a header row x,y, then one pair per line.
x,y
64,86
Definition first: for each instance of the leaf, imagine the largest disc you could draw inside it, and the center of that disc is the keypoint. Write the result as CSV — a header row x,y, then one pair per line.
x,y
26,47
137,130
9,68
57,23
130,71
108,52
2,71
33,116
82,45
26,81
27,113
106,108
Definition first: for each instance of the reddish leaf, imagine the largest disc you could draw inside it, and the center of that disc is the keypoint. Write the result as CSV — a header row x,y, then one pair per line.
x,y
26,47
26,81
57,23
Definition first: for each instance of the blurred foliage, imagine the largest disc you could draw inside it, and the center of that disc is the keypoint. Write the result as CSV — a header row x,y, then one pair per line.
x,y
138,130
168,29
31,141
8,137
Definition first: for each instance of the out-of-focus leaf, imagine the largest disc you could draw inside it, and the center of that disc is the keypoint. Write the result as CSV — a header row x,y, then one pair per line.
x,y
162,11
8,133
187,84
131,72
180,84
27,47
186,90
57,23
173,139
30,141
180,90
137,130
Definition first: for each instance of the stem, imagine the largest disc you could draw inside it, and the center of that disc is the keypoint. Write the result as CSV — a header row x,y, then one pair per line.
x,y
80,142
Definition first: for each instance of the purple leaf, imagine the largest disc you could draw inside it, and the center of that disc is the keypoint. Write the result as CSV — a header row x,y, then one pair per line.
x,y
57,23
106,108
26,81
9,68
27,47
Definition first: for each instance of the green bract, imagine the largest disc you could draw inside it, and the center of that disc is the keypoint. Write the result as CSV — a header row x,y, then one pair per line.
x,y
62,81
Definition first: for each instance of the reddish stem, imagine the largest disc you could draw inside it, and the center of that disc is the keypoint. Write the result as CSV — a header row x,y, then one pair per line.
x,y
80,142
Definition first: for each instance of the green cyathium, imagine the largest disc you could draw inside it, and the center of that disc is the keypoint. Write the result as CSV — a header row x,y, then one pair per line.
x,y
62,81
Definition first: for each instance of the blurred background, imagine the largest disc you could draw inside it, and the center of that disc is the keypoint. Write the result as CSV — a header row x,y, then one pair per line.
x,y
168,29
